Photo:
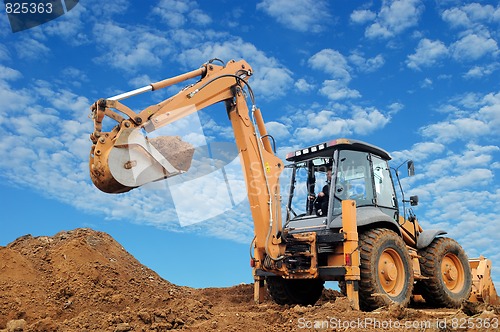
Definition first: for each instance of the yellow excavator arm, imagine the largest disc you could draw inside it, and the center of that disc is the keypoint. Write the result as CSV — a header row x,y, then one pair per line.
x,y
123,158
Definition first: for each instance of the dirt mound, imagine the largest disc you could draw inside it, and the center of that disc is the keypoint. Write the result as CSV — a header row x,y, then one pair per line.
x,y
83,280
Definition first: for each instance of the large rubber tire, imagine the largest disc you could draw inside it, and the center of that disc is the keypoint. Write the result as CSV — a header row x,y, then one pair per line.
x,y
447,266
294,291
386,270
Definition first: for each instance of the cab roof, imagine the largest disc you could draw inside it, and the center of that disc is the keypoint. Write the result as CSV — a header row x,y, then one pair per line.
x,y
326,149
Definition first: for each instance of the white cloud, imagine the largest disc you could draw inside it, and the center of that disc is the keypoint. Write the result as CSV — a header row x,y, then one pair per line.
x,y
454,200
455,190
277,129
367,120
419,151
362,16
4,53
331,62
469,101
317,126
13,100
338,90
427,54
471,116
176,13
270,80
131,47
303,86
471,15
490,111
472,47
212,129
336,66
47,146
7,73
394,17
395,108
476,156
480,13
299,15
5,28
366,65
70,27
456,17
106,9
198,17
29,48
172,12
48,149
62,99
237,225
426,83
477,72
141,80
75,74
212,198
473,177
449,131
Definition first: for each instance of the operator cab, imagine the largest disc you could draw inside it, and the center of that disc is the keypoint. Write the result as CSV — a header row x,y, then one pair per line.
x,y
359,172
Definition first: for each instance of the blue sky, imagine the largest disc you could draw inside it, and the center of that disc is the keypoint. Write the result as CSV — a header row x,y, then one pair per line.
x,y
418,78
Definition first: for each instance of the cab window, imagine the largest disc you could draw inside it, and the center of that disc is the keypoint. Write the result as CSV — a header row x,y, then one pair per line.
x,y
353,179
383,183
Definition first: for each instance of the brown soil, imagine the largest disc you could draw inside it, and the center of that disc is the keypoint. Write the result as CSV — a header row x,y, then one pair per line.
x,y
83,280
175,150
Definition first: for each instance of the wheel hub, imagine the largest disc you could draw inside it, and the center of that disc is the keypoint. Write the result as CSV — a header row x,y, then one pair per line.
x,y
391,272
452,272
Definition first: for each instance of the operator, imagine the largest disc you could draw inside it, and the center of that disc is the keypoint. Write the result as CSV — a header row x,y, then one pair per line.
x,y
321,202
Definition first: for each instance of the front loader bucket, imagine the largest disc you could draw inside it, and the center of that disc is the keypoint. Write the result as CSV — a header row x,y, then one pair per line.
x,y
134,160
483,289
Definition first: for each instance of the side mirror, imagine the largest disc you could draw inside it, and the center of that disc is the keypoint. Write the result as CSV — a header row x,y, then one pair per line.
x,y
411,168
413,200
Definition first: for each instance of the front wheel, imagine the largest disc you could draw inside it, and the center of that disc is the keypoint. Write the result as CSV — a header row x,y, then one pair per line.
x,y
294,291
386,272
449,281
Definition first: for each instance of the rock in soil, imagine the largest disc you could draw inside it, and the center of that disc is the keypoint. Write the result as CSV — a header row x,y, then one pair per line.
x,y
175,150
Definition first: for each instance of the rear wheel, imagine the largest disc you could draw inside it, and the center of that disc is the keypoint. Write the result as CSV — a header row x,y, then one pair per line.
x,y
386,273
294,291
445,263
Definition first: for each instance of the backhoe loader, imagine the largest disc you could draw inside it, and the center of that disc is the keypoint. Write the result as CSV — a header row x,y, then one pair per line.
x,y
343,219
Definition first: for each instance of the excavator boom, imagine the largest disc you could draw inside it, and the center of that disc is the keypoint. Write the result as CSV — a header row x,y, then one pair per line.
x,y
124,158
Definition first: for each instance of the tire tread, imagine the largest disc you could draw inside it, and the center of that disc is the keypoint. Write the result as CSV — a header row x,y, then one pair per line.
x,y
368,242
432,289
